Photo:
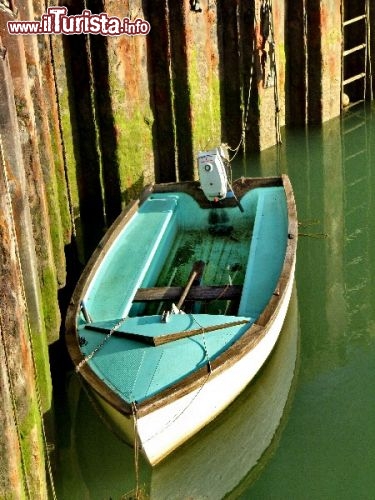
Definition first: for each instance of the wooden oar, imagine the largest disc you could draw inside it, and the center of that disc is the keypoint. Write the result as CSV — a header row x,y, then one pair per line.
x,y
170,337
196,274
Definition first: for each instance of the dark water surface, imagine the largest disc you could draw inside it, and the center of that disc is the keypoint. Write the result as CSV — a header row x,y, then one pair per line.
x,y
305,429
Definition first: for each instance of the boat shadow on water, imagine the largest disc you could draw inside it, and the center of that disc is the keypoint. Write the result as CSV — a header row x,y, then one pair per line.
x,y
223,459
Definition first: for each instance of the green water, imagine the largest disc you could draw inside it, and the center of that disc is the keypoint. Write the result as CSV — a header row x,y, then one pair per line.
x,y
327,449
305,429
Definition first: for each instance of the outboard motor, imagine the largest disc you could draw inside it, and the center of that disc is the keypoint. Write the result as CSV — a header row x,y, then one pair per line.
x,y
212,174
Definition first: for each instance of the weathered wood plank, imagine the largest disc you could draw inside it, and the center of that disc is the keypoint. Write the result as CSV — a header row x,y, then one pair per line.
x,y
171,337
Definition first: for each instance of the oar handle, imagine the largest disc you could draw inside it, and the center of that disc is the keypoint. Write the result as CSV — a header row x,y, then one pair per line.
x,y
171,337
196,273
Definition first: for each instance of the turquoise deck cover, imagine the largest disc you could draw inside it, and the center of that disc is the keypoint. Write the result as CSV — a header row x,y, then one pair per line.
x,y
136,370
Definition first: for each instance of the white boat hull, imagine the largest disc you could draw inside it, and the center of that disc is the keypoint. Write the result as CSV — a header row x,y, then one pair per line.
x,y
166,428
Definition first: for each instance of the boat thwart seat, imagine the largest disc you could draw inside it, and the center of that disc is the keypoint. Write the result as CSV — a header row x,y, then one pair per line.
x,y
222,292
150,231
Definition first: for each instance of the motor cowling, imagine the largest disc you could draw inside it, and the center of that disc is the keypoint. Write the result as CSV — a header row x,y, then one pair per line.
x,y
212,174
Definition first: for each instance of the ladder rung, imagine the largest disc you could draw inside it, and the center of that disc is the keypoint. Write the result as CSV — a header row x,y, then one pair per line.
x,y
364,178
354,155
357,113
355,127
354,20
354,49
355,103
354,78
350,211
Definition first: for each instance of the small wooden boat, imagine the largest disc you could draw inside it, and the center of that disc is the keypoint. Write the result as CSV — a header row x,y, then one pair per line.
x,y
181,304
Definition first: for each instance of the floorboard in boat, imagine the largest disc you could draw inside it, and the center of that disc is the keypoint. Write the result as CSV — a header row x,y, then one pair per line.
x,y
225,254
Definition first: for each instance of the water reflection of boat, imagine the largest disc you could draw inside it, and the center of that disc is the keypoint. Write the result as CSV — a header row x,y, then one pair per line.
x,y
223,459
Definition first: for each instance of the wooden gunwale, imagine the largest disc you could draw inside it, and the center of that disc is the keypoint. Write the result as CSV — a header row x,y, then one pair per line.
x,y
243,345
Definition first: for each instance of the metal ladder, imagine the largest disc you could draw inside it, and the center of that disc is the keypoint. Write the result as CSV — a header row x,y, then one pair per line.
x,y
356,53
356,154
357,250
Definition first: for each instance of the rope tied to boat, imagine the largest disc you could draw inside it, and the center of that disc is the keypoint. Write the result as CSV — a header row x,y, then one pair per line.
x,y
136,447
204,343
182,411
266,25
196,393
87,358
268,6
311,235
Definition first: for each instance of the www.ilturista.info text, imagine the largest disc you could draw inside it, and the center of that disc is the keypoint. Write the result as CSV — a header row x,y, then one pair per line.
x,y
57,21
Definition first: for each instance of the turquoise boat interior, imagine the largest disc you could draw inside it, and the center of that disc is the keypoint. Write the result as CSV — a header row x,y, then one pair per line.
x,y
158,248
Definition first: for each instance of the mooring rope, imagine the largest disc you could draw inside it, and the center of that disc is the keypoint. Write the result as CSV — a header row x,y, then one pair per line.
x,y
368,48
136,448
269,35
133,494
311,235
268,5
101,345
32,347
204,343
314,235
247,107
183,410
87,358
61,131
95,117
